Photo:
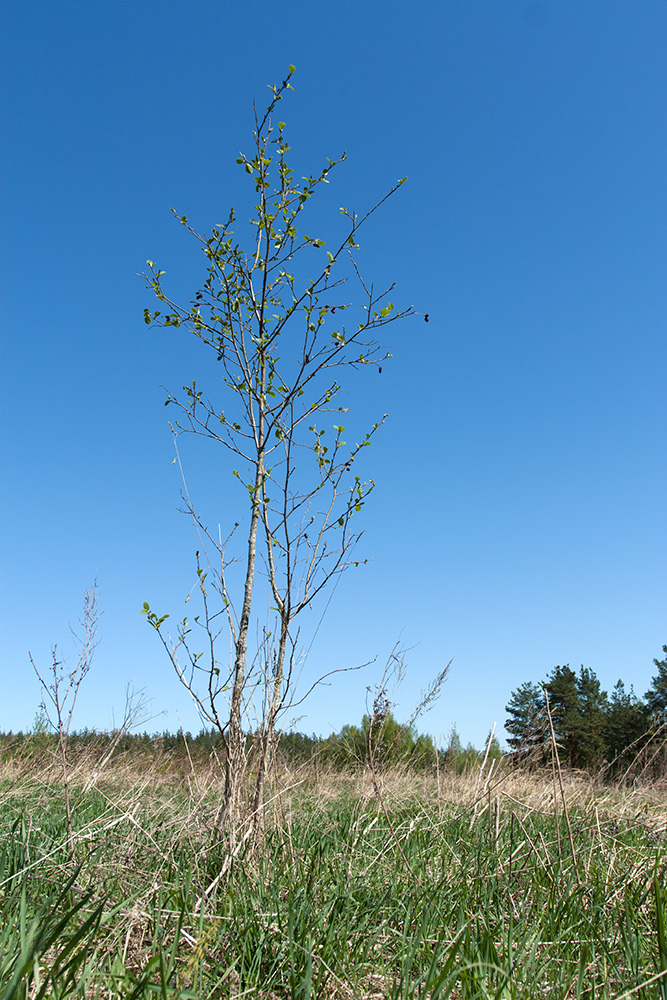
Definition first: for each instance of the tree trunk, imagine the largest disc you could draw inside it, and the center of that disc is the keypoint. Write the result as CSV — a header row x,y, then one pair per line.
x,y
267,743
229,815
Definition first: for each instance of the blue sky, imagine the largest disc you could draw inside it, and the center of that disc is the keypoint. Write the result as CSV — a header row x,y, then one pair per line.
x,y
518,520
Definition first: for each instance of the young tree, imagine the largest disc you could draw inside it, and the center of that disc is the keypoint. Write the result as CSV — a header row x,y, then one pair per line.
x,y
390,742
60,687
274,318
457,758
492,747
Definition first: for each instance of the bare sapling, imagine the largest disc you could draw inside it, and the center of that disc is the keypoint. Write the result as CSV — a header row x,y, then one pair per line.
x,y
61,685
379,717
135,714
273,316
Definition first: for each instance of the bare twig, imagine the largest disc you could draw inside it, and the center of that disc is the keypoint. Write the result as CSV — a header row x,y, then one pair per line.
x,y
61,690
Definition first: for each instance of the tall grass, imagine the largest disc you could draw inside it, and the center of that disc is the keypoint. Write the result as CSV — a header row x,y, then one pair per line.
x,y
492,902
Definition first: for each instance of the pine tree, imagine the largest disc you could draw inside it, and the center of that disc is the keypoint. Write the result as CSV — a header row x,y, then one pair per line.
x,y
460,759
590,731
565,709
526,722
656,696
627,721
578,709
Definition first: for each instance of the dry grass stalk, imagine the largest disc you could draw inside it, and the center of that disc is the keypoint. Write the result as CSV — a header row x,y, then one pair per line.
x,y
560,784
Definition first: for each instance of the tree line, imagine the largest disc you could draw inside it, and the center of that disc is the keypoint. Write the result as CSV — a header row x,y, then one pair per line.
x,y
392,744
591,729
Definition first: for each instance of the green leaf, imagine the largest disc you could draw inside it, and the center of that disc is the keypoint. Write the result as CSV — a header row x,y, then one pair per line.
x,y
291,68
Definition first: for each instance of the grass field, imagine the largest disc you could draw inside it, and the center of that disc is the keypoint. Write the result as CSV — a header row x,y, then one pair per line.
x,y
430,896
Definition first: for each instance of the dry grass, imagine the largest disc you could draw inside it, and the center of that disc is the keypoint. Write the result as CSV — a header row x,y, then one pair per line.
x,y
191,791
324,905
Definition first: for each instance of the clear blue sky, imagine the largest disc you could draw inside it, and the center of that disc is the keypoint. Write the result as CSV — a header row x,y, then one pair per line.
x,y
519,516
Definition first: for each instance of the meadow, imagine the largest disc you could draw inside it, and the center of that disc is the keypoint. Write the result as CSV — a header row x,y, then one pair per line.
x,y
504,885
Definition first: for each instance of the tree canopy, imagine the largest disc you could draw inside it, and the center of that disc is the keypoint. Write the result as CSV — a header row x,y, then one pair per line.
x,y
591,729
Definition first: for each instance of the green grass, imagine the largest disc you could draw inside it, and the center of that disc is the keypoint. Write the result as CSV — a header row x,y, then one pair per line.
x,y
328,905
